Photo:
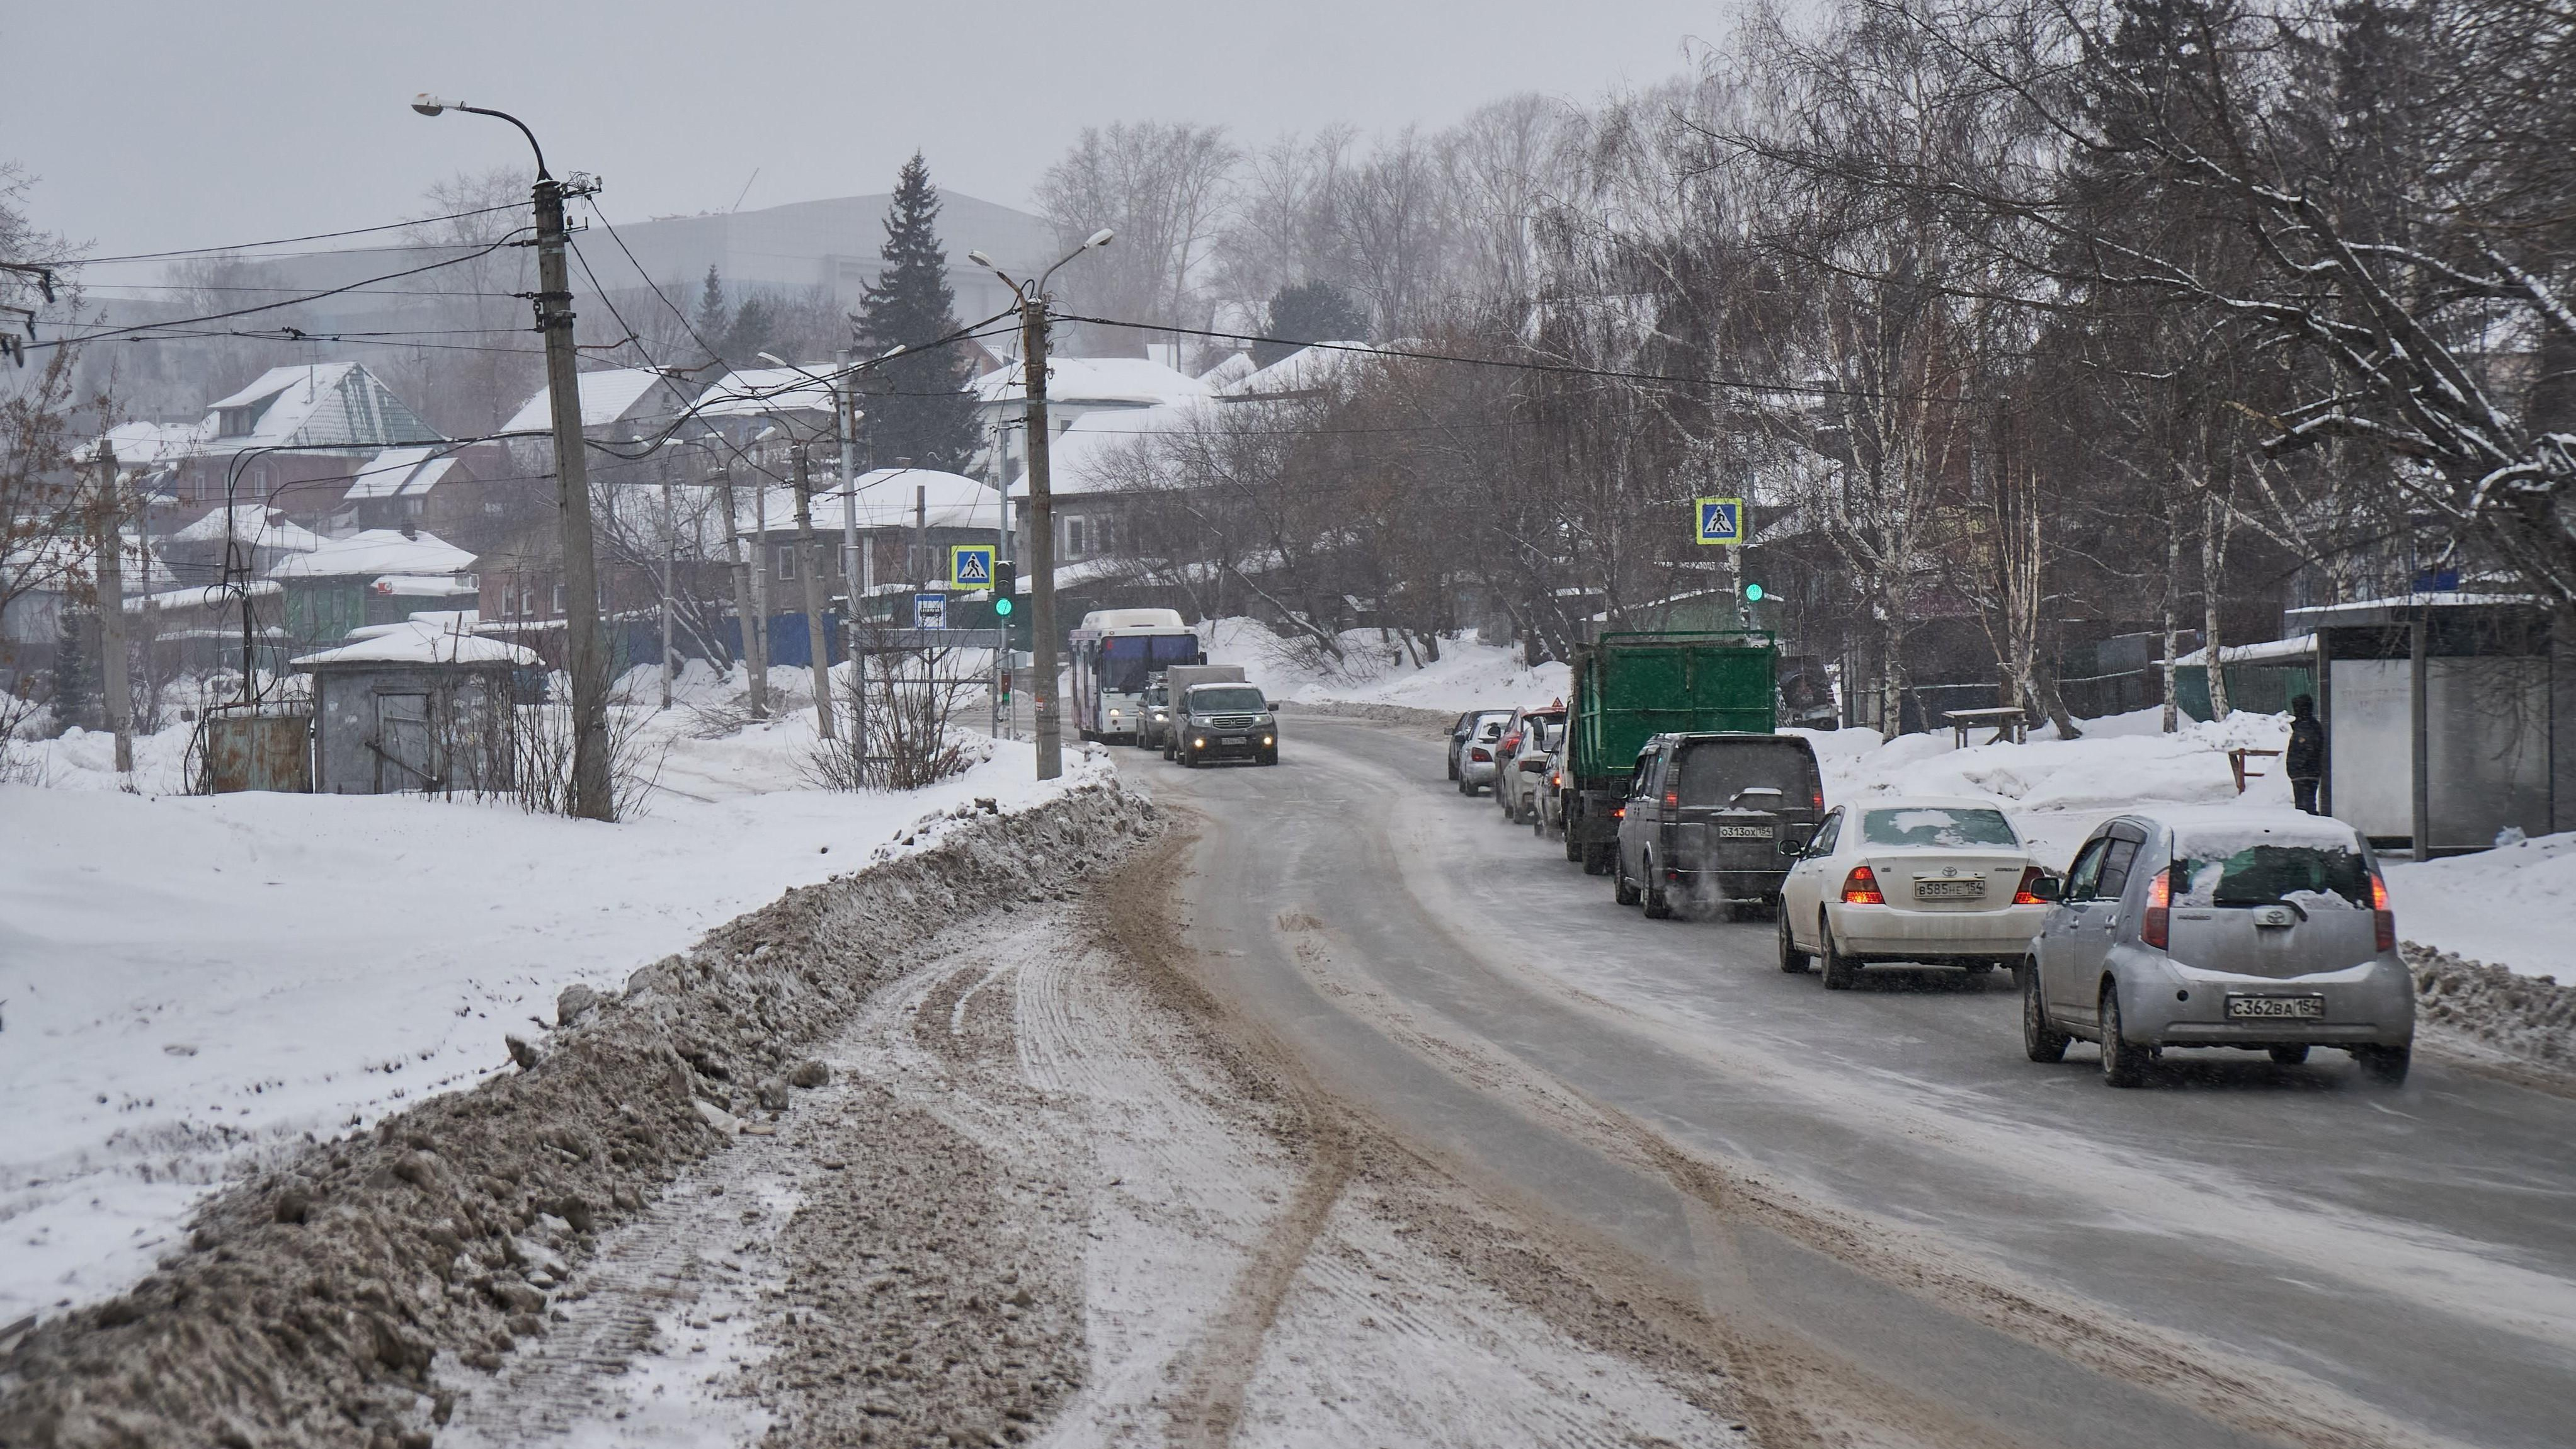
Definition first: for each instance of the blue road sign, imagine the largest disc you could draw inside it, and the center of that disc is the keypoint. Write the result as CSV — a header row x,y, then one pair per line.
x,y
970,565
930,611
1721,520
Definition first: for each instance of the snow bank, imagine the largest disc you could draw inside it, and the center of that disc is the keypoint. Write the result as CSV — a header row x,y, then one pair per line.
x,y
187,983
1467,675
2514,906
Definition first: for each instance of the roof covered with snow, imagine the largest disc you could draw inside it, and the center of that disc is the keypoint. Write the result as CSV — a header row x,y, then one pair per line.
x,y
761,391
400,473
443,639
373,552
1306,371
256,524
316,405
608,396
1099,381
886,498
206,597
1098,453
2297,646
147,444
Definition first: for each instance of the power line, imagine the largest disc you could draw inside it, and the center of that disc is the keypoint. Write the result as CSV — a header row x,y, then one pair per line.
x,y
291,240
274,306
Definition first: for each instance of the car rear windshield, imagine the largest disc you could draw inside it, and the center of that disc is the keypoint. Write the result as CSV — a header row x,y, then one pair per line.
x,y
1714,771
2260,874
1231,698
1938,828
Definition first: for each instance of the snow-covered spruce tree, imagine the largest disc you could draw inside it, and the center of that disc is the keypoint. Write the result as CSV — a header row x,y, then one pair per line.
x,y
713,317
917,406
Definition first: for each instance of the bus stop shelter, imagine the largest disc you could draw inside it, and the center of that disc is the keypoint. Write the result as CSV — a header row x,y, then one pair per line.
x,y
2441,714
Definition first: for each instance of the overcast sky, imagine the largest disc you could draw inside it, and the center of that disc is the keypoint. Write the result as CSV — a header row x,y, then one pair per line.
x,y
180,123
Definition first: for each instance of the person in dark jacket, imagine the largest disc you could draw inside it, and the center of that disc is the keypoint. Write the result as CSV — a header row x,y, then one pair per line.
x,y
2305,761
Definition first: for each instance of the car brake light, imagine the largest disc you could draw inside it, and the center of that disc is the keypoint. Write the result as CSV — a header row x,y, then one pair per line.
x,y
2382,919
2031,875
1618,812
2155,928
1556,782
1480,755
1817,797
1860,888
1673,799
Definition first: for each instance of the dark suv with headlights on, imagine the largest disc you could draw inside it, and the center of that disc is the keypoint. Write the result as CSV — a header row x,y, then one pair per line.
x,y
1224,722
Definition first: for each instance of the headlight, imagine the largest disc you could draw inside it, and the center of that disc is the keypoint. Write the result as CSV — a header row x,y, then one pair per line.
x,y
1159,716
1200,743
1267,740
1113,714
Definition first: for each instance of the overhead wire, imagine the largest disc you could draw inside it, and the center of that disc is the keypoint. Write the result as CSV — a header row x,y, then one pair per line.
x,y
292,240
274,306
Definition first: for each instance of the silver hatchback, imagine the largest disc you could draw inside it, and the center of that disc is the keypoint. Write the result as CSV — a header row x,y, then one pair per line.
x,y
2261,929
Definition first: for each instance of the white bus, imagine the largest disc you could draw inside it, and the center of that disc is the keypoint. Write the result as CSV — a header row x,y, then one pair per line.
x,y
1114,653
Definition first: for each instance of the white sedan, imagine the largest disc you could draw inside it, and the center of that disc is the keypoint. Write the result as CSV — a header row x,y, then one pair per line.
x,y
1936,881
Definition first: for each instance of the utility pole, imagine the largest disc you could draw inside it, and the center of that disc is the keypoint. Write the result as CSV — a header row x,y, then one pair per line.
x,y
854,570
110,577
584,661
583,658
754,666
1040,515
670,551
760,584
819,642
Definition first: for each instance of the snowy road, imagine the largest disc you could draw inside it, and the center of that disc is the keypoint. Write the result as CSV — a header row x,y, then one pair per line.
x,y
1911,1234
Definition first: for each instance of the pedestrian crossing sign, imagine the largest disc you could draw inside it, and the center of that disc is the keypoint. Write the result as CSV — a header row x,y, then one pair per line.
x,y
1721,520
970,566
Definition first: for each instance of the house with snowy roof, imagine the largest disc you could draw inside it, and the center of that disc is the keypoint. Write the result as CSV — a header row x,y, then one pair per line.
x,y
293,441
375,576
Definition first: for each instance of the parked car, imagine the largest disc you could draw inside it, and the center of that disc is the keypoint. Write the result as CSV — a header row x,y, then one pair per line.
x,y
1715,819
1928,880
1459,729
1520,756
1220,721
1476,751
2221,927
1549,819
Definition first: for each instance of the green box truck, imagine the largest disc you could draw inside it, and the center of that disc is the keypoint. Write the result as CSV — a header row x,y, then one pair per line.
x,y
1629,688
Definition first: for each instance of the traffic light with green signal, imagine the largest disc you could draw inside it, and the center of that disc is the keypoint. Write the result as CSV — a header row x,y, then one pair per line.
x,y
1753,594
1007,613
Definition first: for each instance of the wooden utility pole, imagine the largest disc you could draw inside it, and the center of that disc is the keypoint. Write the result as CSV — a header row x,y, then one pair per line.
x,y
118,691
755,662
584,659
816,639
1041,522
670,551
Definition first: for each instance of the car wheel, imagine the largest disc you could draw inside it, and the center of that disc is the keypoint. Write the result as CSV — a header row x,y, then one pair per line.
x,y
1453,767
1841,972
2124,1063
2385,1065
1792,960
1621,890
1269,757
2041,1041
1659,906
1538,823
2290,1055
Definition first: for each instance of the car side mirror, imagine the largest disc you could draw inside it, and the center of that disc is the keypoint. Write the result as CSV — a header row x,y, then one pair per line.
x,y
2049,888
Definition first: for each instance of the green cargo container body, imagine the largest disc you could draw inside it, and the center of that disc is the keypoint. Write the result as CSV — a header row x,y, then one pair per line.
x,y
1628,688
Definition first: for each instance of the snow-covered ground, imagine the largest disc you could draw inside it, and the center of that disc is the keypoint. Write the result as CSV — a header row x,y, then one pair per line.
x,y
1467,675
187,982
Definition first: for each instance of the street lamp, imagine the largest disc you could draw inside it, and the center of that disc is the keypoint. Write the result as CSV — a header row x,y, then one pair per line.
x,y
1032,299
592,793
